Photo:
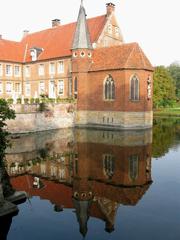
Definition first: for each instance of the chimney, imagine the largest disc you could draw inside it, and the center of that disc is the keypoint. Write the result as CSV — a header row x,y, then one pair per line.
x,y
0,36
110,7
25,33
56,22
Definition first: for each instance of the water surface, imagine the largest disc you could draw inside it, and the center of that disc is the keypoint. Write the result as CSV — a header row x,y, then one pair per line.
x,y
97,184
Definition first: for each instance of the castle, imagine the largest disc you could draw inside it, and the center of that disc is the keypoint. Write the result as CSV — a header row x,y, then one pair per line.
x,y
86,60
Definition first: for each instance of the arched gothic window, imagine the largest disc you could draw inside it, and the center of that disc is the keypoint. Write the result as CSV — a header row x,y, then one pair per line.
x,y
109,88
108,165
133,167
134,88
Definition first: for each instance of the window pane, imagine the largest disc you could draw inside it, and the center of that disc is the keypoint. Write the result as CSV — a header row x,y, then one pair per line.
x,y
109,89
8,87
61,87
41,87
27,89
61,67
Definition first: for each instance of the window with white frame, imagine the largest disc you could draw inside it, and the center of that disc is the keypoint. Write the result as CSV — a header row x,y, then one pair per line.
x,y
52,68
41,87
27,89
27,71
1,69
41,69
1,87
61,87
8,87
17,71
8,70
60,66
17,87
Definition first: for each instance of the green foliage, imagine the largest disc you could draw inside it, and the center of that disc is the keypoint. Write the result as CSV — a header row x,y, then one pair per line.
x,y
174,70
165,132
10,101
19,101
42,106
5,113
164,88
26,100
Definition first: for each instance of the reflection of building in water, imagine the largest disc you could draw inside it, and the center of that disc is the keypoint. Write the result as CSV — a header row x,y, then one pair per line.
x,y
9,197
101,170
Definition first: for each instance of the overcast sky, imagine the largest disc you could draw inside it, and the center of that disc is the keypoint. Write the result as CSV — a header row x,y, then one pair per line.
x,y
154,24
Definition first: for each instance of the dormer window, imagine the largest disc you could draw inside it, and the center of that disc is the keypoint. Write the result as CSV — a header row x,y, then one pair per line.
x,y
35,52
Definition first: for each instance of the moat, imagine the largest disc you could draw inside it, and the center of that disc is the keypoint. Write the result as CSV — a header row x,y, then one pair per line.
x,y
96,184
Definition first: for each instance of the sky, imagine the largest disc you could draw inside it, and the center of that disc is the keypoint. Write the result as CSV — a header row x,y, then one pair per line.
x,y
154,24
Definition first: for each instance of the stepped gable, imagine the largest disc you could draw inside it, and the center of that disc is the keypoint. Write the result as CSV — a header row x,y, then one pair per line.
x,y
56,42
124,56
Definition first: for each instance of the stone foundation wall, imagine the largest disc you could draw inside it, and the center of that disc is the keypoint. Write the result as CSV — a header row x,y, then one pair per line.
x,y
64,115
109,119
29,119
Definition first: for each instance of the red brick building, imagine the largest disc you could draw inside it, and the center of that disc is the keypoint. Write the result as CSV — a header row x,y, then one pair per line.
x,y
88,60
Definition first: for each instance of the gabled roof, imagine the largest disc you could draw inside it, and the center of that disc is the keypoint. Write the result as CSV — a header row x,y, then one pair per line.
x,y
56,42
124,56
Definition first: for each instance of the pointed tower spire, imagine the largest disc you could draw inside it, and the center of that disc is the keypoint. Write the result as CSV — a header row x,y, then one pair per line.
x,y
81,36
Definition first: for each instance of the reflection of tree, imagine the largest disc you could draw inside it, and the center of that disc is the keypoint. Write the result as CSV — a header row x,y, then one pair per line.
x,y
165,133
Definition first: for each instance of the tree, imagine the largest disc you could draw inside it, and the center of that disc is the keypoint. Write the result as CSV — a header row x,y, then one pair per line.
x,y
5,113
164,88
174,70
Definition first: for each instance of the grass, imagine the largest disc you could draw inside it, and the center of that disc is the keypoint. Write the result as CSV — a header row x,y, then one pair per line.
x,y
169,112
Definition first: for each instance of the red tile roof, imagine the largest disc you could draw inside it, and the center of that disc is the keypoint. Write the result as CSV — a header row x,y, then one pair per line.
x,y
11,51
56,42
125,56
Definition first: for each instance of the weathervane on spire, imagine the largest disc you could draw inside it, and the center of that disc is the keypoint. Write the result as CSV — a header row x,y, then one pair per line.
x,y
81,3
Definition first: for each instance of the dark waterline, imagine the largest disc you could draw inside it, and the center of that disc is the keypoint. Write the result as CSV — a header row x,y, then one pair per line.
x,y
97,184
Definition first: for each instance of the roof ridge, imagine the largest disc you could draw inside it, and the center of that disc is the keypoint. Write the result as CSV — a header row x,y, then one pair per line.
x,y
126,63
60,26
142,57
7,40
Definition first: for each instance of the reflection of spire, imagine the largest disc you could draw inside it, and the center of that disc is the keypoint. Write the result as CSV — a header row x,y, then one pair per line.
x,y
82,213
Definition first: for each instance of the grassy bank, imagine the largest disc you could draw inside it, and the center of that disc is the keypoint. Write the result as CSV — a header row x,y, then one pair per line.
x,y
167,112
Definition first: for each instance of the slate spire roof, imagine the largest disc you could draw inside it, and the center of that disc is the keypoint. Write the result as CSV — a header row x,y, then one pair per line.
x,y
81,36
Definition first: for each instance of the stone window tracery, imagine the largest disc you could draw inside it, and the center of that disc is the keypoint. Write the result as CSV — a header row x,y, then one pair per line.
x,y
134,88
109,88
